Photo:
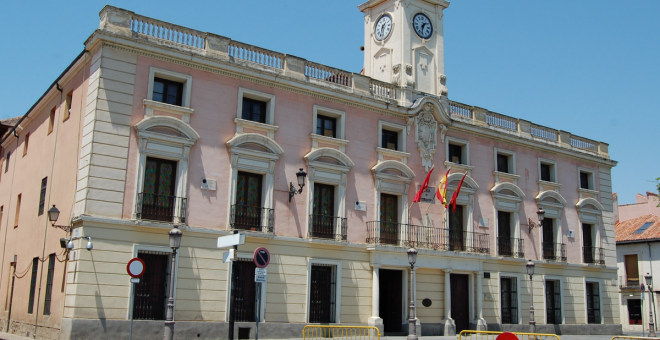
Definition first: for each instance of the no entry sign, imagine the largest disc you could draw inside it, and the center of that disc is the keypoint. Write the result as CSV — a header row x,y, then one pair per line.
x,y
135,268
261,257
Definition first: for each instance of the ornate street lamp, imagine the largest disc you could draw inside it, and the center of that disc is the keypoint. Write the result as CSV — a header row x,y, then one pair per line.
x,y
53,215
175,243
530,272
301,183
412,327
541,215
649,284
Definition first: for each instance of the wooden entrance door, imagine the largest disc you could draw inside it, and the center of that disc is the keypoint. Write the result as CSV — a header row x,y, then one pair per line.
x,y
391,290
460,305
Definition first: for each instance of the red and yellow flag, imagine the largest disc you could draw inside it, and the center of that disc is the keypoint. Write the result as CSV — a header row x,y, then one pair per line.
x,y
455,197
442,190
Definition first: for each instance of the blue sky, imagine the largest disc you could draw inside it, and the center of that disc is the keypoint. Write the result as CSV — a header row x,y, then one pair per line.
x,y
588,67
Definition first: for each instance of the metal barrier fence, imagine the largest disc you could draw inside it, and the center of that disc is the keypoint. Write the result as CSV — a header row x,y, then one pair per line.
x,y
485,335
623,337
341,332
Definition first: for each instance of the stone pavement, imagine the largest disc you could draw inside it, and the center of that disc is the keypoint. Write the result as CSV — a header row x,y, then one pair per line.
x,y
5,336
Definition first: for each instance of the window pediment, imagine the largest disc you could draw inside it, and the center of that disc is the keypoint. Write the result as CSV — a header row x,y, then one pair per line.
x,y
169,128
393,170
255,142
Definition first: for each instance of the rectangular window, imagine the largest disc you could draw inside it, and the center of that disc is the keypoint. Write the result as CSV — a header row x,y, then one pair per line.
x,y
49,284
322,294
545,172
503,163
504,240
389,219
593,303
150,294
632,270
67,107
33,284
18,210
7,160
323,211
245,293
248,207
157,200
456,153
10,283
549,246
26,142
326,126
509,291
456,228
51,121
586,180
635,312
553,301
167,91
254,110
390,140
42,195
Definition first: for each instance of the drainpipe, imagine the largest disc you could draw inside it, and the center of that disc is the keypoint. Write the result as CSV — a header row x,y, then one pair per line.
x,y
655,316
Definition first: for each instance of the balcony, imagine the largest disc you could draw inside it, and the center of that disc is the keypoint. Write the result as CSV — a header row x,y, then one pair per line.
x,y
161,208
593,255
408,235
245,217
554,251
510,247
327,227
629,283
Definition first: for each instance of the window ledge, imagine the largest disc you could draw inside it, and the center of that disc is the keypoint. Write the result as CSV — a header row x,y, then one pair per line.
x,y
151,106
392,155
505,177
465,167
588,191
248,126
545,186
319,141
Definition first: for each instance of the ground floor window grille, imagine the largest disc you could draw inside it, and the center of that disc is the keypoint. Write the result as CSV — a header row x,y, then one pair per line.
x,y
635,312
509,290
150,295
322,293
593,303
245,293
49,284
553,301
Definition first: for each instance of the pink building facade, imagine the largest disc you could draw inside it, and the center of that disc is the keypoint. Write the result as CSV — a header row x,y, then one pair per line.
x,y
156,125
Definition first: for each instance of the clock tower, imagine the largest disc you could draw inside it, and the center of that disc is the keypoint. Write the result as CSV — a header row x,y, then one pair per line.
x,y
404,45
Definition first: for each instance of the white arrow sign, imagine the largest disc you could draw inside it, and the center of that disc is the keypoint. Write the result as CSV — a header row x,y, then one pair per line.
x,y
231,240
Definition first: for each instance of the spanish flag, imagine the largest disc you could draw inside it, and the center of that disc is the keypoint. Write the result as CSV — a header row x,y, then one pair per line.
x,y
442,190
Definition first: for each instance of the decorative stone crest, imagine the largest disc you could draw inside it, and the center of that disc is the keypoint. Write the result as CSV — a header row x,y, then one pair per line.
x,y
443,85
426,135
396,76
410,81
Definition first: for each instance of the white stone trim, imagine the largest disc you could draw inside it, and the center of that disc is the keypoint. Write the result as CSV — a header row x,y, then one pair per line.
x,y
398,128
163,249
561,296
340,144
264,288
257,95
509,204
592,179
338,279
246,126
512,160
465,150
465,197
553,170
153,144
259,162
518,277
600,297
186,79
150,106
388,154
340,116
394,185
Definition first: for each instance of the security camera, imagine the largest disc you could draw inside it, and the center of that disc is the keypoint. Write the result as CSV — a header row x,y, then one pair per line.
x,y
357,202
89,244
204,181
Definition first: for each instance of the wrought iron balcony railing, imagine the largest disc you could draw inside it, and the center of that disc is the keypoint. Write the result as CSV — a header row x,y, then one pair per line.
x,y
328,227
161,208
408,235
593,255
511,247
245,217
629,282
554,251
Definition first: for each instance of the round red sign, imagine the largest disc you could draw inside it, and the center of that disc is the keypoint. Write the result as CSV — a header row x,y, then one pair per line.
x,y
135,268
507,336
261,257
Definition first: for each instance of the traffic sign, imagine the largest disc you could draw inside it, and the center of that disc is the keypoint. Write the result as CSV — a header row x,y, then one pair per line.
x,y
507,336
260,275
261,257
135,267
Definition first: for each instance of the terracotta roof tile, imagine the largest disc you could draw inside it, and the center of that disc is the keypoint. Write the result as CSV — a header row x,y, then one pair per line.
x,y
625,230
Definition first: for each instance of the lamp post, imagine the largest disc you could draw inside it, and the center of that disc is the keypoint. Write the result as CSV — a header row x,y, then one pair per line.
x,y
649,284
530,272
541,215
53,215
412,326
175,243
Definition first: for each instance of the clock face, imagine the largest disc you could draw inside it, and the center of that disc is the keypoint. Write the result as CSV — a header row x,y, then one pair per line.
x,y
422,25
383,27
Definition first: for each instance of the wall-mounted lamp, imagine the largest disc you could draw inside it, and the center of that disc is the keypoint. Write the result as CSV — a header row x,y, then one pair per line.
x,y
301,183
541,215
53,215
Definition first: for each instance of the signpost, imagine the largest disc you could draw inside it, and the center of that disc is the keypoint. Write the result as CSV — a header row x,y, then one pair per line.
x,y
231,241
135,268
261,259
